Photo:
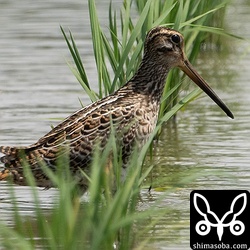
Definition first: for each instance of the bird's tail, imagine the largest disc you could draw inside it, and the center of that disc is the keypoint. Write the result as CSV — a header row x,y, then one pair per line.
x,y
5,174
9,159
8,152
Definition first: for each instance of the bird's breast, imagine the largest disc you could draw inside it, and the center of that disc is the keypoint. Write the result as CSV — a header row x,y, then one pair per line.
x,y
147,116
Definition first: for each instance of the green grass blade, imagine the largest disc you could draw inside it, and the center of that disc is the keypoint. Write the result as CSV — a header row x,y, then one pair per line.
x,y
76,56
129,44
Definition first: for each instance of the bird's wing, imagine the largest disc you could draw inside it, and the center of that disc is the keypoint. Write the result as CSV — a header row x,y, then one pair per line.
x,y
78,134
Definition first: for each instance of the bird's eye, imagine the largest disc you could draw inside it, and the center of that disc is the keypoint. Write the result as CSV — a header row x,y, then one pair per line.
x,y
175,38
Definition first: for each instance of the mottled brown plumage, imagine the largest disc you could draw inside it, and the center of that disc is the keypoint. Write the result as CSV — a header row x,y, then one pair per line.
x,y
133,110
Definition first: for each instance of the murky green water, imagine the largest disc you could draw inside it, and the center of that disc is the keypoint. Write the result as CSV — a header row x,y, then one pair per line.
x,y
36,87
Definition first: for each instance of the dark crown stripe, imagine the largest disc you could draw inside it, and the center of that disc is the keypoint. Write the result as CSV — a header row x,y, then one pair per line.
x,y
160,31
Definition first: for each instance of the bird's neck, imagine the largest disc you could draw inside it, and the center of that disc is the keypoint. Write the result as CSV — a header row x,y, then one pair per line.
x,y
150,80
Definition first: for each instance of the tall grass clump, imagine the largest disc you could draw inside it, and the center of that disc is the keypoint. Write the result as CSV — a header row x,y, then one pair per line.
x,y
106,221
118,54
109,219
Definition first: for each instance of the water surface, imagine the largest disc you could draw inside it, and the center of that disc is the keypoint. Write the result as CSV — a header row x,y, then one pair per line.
x,y
37,89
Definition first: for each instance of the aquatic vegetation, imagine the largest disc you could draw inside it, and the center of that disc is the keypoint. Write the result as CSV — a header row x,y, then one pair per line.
x,y
110,220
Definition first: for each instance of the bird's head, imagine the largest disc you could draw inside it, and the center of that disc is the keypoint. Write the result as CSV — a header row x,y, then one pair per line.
x,y
165,47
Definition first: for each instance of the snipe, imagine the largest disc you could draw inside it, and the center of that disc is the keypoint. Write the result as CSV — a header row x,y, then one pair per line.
x,y
134,107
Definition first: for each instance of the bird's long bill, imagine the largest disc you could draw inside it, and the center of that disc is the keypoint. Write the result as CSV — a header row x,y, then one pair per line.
x,y
188,69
